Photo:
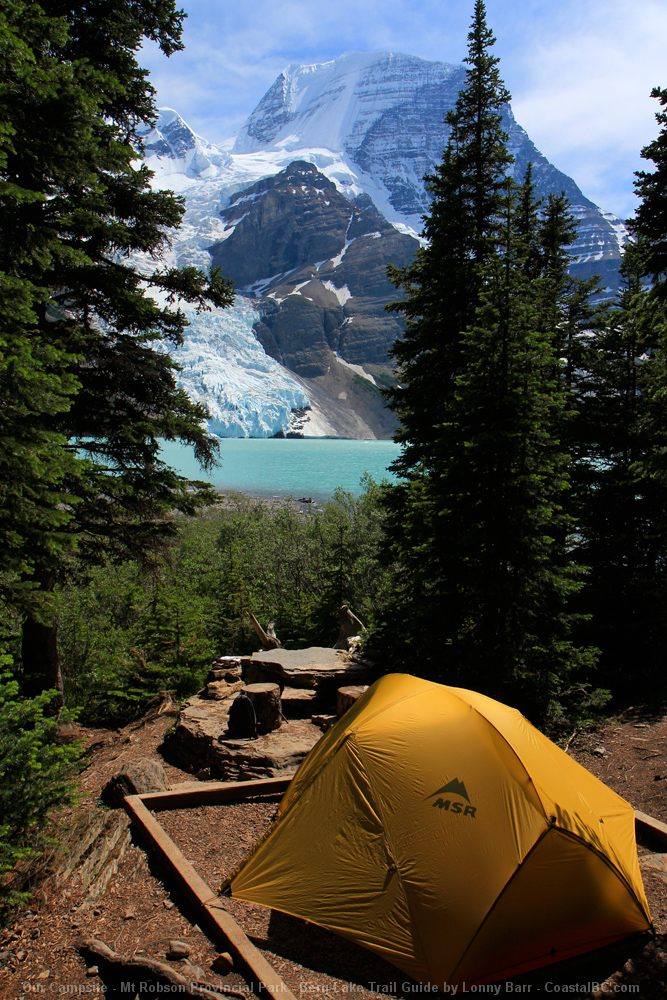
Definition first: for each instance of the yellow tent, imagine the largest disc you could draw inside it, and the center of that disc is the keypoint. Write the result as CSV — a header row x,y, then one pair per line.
x,y
441,830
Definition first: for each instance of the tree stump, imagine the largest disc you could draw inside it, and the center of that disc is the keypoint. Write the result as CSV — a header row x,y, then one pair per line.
x,y
255,711
346,697
266,702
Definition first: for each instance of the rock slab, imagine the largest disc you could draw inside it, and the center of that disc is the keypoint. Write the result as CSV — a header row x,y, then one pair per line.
x,y
318,668
201,745
145,774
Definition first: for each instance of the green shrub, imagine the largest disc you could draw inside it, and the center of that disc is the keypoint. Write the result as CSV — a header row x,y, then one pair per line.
x,y
127,631
36,775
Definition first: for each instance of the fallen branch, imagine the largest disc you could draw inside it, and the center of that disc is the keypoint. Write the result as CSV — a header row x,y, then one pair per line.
x,y
120,966
569,742
162,703
268,638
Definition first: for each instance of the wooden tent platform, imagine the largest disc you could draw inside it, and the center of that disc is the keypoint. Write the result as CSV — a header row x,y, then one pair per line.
x,y
223,928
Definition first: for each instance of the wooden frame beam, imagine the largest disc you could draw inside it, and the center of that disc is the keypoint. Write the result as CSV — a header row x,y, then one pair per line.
x,y
650,829
215,917
211,793
219,922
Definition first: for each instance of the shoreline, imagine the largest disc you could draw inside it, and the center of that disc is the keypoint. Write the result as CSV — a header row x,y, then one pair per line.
x,y
229,498
304,437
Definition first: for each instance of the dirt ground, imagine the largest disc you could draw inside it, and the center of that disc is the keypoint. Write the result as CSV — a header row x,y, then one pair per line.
x,y
139,915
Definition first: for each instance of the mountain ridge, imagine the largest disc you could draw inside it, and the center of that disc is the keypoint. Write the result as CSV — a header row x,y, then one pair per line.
x,y
359,130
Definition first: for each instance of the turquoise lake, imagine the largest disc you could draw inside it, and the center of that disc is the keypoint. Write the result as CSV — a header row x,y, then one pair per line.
x,y
312,467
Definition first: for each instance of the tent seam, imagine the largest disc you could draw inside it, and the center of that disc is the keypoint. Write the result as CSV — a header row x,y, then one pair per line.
x,y
500,896
552,824
512,748
392,856
612,867
348,733
573,836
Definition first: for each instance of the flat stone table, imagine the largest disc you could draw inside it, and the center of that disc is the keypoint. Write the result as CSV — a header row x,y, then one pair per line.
x,y
318,668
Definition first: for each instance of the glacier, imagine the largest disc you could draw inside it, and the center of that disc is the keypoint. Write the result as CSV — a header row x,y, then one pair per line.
x,y
224,366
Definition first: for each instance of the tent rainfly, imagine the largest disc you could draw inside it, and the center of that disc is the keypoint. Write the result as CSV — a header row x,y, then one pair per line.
x,y
441,830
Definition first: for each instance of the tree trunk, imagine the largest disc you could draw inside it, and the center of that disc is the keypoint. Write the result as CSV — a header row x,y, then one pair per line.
x,y
39,655
266,702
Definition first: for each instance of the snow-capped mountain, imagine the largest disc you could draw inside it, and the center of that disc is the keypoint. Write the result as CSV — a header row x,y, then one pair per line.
x,y
316,263
384,114
328,145
178,156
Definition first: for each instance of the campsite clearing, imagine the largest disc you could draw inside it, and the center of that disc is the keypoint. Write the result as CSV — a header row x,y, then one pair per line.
x,y
138,912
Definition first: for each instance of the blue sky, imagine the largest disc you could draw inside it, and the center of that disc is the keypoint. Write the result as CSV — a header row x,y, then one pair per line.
x,y
580,71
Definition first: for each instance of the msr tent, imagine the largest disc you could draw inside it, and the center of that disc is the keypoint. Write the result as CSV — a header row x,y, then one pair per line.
x,y
440,829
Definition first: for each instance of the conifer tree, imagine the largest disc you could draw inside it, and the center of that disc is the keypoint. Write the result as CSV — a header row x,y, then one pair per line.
x,y
441,293
650,222
614,508
650,228
76,209
508,552
621,473
461,230
36,376
478,532
632,563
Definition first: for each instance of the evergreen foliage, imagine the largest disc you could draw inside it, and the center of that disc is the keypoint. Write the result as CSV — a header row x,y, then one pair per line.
x,y
462,230
441,293
650,309
36,774
650,222
37,380
614,510
479,536
129,630
88,387
622,474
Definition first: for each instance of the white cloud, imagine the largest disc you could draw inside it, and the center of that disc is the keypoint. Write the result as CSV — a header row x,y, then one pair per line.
x,y
584,91
580,71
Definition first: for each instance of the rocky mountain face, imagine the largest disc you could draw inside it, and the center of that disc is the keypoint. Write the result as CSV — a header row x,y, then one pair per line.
x,y
177,154
319,192
316,262
319,262
386,113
